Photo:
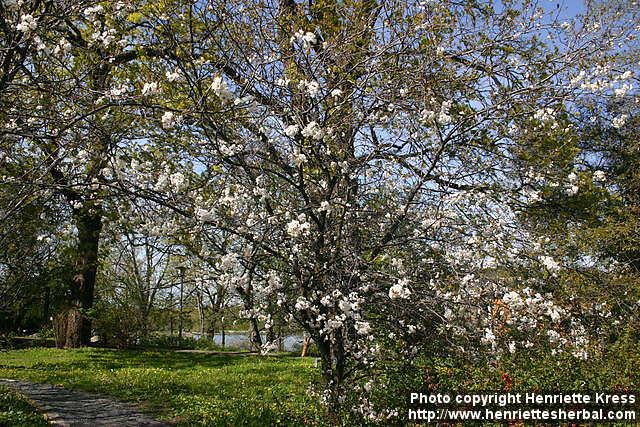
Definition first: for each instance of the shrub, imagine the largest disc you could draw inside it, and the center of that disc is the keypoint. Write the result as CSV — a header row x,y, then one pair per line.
x,y
163,341
116,325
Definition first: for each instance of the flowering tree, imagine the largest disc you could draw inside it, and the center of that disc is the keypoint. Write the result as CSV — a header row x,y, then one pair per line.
x,y
67,121
590,210
28,259
136,272
364,165
360,168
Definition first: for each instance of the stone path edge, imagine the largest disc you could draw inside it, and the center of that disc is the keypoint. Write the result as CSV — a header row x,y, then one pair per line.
x,y
55,418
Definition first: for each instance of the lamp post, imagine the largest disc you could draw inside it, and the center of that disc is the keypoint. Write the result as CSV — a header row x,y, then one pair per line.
x,y
171,310
181,269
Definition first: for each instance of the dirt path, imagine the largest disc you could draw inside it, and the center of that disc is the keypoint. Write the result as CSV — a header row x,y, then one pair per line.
x,y
78,408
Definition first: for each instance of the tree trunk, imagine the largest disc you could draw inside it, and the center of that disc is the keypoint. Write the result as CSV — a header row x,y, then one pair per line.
x,y
73,325
68,328
271,335
46,307
144,323
171,312
333,360
201,313
256,339
306,340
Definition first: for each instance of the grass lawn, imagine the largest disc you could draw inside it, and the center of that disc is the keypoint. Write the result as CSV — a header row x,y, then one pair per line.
x,y
181,388
16,411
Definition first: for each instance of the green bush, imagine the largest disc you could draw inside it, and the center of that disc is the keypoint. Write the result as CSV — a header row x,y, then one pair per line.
x,y
163,341
46,332
117,326
615,369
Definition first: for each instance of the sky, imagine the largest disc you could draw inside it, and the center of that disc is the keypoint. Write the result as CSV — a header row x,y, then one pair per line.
x,y
570,8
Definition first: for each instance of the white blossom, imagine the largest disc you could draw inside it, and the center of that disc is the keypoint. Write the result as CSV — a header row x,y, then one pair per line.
x,y
363,328
325,206
489,337
306,39
313,130
619,121
172,76
400,290
291,130
544,114
204,215
299,226
177,180
27,23
623,90
221,89
150,89
572,190
311,87
302,304
554,336
63,47
170,120
228,261
549,263
90,12
599,176
299,158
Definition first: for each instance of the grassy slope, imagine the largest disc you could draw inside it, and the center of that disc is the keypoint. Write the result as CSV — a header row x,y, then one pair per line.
x,y
16,411
190,389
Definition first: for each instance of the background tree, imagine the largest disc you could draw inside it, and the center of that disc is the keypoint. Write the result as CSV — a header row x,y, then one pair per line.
x,y
135,275
68,119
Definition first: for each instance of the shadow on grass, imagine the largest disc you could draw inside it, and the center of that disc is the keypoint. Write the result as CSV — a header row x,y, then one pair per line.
x,y
119,359
169,358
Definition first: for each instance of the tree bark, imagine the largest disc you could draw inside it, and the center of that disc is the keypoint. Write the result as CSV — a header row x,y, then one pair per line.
x,y
201,312
68,327
74,325
256,339
271,335
306,340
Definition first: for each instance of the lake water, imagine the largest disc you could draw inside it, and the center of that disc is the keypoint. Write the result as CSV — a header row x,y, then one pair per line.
x,y
241,340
